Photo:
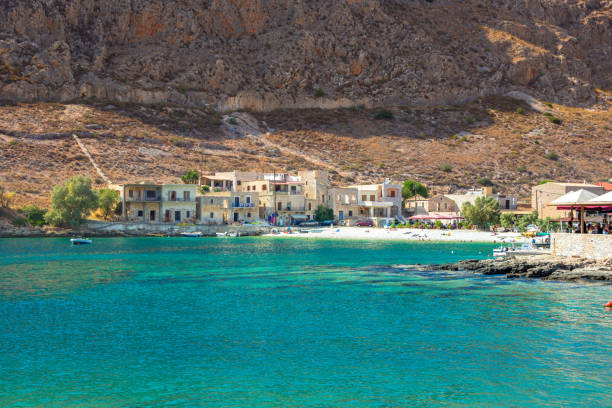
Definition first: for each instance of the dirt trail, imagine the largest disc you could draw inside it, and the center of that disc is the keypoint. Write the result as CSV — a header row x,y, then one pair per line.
x,y
93,162
247,126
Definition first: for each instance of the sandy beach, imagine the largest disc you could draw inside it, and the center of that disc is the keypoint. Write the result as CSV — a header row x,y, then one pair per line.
x,y
406,234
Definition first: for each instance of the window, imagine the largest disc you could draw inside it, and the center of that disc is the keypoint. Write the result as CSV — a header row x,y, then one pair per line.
x,y
236,201
239,182
264,187
211,200
254,188
350,213
364,198
372,197
309,206
131,193
212,215
151,194
391,193
293,189
248,188
172,195
186,196
289,206
177,216
152,215
140,213
248,215
248,199
188,214
280,206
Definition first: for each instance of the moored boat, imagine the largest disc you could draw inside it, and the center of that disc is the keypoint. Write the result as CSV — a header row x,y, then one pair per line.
x,y
81,241
191,234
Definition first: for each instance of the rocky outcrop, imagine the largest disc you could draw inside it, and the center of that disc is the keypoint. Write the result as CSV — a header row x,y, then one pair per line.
x,y
542,267
264,55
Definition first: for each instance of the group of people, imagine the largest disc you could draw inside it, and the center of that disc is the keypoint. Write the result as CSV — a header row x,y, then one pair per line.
x,y
591,228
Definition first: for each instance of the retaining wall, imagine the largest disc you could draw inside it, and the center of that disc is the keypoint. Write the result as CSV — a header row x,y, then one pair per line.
x,y
584,245
152,228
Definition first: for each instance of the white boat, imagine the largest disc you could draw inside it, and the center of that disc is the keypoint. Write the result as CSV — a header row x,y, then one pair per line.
x,y
227,234
191,234
81,241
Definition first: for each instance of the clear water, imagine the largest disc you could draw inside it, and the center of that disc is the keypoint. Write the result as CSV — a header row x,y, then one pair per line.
x,y
221,322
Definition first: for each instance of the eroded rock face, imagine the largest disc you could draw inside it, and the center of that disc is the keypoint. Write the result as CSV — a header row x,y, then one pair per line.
x,y
268,54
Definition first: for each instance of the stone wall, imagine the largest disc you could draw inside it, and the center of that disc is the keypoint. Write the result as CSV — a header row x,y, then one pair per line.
x,y
585,245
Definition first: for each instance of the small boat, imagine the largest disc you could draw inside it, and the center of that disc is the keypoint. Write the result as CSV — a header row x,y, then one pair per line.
x,y
191,234
227,234
81,241
315,231
500,253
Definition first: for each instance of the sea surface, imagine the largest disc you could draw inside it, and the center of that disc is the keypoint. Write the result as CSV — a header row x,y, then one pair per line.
x,y
269,322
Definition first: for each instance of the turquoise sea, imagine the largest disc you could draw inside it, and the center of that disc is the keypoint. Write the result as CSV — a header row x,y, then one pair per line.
x,y
258,322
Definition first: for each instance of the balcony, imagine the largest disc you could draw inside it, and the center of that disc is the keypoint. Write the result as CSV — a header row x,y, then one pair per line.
x,y
179,199
142,199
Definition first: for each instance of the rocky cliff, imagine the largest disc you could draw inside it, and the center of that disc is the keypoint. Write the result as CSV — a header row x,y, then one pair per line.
x,y
266,54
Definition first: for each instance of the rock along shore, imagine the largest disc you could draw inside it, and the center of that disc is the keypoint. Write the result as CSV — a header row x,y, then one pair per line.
x,y
545,267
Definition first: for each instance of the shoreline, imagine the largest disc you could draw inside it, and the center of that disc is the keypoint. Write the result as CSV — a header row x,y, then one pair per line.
x,y
544,267
406,234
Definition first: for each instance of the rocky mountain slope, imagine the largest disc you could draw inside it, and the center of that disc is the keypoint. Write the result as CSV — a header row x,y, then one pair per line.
x,y
449,147
263,55
152,88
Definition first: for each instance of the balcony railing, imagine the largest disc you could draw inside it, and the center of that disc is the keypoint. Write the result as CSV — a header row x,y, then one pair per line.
x,y
243,205
137,199
179,199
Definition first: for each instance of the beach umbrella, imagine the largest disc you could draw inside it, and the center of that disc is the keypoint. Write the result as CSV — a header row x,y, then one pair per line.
x,y
578,198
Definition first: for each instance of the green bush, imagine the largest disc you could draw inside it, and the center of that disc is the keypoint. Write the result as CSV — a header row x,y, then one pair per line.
x,y
383,114
520,110
204,189
232,121
319,93
20,222
447,168
552,118
545,181
552,156
485,181
34,215
464,138
181,89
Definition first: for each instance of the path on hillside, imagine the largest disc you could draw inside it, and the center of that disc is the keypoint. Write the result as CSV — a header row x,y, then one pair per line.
x,y
93,162
247,126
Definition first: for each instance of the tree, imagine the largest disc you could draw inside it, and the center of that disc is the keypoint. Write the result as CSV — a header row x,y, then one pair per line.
x,y
485,210
323,213
507,220
107,201
5,197
190,177
71,202
204,189
34,215
412,188
526,220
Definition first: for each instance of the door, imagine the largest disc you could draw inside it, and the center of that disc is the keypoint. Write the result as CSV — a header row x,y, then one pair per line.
x,y
152,215
236,201
235,216
177,216
341,215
